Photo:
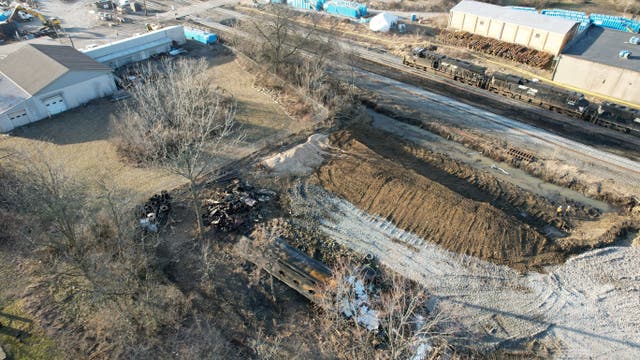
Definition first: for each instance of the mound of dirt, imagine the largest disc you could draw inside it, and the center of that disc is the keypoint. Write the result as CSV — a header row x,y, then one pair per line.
x,y
430,210
300,159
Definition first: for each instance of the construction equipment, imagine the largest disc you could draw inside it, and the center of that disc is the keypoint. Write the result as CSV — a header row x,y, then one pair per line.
x,y
46,22
152,26
105,16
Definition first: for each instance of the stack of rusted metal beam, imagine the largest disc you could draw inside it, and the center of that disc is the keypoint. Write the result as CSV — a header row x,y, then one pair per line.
x,y
514,52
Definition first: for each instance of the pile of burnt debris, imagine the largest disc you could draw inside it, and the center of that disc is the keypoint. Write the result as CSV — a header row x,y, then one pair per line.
x,y
155,212
237,204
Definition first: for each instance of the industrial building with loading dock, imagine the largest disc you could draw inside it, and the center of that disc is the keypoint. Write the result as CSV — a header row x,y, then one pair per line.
x,y
38,81
602,61
529,29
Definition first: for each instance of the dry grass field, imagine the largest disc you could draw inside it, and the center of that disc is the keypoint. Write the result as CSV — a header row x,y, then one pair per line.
x,y
80,139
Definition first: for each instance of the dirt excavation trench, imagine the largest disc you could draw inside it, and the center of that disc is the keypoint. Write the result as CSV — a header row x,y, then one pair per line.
x,y
464,212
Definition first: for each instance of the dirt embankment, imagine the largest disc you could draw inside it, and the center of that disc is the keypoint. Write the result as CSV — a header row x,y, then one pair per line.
x,y
431,210
472,183
552,171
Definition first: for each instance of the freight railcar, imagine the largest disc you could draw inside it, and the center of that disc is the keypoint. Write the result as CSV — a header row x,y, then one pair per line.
x,y
615,116
455,69
300,272
535,92
538,93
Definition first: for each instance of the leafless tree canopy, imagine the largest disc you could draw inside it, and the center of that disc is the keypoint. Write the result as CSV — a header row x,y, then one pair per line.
x,y
175,113
280,38
179,121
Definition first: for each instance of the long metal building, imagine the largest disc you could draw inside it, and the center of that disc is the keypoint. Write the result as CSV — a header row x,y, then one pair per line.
x,y
594,63
529,29
137,48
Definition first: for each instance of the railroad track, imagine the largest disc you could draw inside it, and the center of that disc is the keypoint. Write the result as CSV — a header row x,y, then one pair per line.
x,y
565,144
392,62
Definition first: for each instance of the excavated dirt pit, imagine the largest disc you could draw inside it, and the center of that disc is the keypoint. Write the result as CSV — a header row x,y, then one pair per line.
x,y
449,204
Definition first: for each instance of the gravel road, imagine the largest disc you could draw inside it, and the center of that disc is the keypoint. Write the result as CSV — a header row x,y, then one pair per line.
x,y
589,304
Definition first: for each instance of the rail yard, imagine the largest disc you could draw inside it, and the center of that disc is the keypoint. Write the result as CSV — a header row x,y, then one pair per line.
x,y
319,179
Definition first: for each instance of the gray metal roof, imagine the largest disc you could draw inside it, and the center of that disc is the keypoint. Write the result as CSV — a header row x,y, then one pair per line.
x,y
10,94
6,49
33,67
602,45
509,15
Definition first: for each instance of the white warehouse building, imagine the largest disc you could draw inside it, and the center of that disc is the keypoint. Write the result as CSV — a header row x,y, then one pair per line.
x,y
530,29
38,81
137,48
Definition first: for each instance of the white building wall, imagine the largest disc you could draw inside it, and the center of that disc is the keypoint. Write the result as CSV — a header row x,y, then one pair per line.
x,y
469,23
523,36
137,48
599,78
511,32
74,95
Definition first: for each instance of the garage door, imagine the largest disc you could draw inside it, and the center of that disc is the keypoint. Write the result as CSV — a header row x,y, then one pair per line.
x,y
55,104
18,118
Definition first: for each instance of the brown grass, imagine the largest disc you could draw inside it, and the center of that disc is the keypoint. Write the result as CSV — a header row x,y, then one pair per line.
x,y
79,139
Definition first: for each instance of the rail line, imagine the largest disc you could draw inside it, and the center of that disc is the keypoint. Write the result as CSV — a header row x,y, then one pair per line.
x,y
549,138
584,150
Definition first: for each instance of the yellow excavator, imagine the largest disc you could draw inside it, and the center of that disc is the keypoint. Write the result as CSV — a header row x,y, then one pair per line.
x,y
46,22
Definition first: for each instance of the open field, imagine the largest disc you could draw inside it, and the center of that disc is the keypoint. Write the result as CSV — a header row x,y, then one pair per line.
x,y
79,139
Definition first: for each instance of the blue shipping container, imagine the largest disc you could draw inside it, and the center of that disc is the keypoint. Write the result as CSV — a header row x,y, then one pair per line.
x,y
346,8
200,36
299,4
524,8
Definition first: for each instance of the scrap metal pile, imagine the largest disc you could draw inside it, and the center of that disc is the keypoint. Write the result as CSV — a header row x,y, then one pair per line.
x,y
155,212
515,52
229,208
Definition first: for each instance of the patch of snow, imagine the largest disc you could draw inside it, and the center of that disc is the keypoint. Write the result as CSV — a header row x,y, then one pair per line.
x,y
423,350
360,305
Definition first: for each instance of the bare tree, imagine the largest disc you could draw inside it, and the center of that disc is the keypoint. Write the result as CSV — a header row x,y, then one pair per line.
x,y
53,195
279,38
179,121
